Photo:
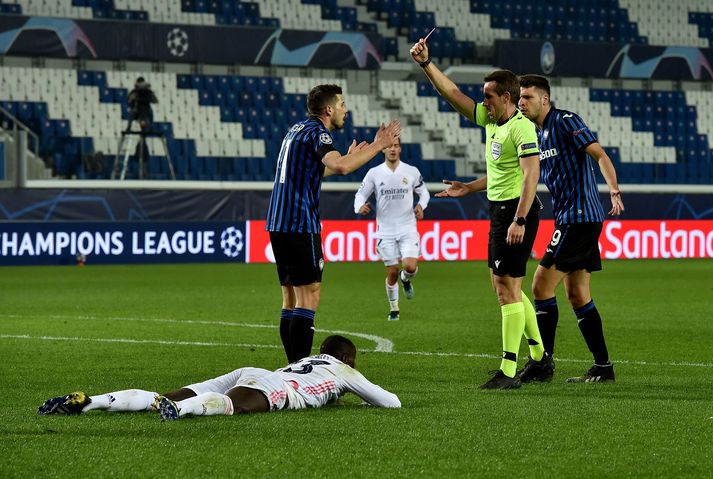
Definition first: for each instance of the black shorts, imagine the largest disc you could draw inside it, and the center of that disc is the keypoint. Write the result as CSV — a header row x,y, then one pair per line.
x,y
505,259
574,247
298,257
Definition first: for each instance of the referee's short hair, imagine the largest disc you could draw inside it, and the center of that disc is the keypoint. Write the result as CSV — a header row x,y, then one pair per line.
x,y
537,81
321,96
505,81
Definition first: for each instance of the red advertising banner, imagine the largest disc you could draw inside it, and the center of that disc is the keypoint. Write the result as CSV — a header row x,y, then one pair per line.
x,y
657,239
355,240
459,240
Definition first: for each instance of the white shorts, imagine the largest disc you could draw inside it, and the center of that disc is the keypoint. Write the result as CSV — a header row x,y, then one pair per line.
x,y
406,245
279,394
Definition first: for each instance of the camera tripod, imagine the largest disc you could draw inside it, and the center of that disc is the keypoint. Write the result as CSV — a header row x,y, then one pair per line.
x,y
141,147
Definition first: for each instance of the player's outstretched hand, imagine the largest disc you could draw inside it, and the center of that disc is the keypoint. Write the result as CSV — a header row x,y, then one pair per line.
x,y
356,148
617,206
455,190
419,51
418,211
365,209
386,136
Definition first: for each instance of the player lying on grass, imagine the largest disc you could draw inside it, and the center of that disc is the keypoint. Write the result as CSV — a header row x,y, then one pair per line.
x,y
310,382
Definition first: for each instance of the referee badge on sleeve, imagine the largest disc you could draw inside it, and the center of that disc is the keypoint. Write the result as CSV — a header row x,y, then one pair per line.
x,y
495,149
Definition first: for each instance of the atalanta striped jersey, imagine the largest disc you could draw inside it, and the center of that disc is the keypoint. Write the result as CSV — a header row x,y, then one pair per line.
x,y
567,169
294,204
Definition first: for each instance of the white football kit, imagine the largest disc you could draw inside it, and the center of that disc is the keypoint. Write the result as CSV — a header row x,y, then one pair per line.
x,y
395,219
310,382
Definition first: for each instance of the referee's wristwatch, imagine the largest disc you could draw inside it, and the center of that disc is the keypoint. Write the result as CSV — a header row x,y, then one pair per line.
x,y
520,220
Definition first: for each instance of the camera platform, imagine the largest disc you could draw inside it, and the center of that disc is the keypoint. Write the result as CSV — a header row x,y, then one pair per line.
x,y
125,149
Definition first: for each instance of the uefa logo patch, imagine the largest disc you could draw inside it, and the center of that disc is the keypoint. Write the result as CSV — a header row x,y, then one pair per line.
x,y
325,138
231,242
495,149
177,42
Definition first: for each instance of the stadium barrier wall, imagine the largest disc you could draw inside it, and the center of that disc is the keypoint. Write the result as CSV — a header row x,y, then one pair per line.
x,y
342,240
164,42
605,60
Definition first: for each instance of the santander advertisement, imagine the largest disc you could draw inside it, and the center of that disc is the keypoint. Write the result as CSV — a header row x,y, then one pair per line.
x,y
460,240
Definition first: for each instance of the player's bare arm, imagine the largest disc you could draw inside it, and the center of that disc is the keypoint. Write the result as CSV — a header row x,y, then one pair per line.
x,y
354,147
457,189
446,88
360,154
531,173
609,173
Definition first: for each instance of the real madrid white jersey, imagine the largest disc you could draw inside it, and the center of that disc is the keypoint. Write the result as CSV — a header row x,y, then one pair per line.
x,y
320,379
394,197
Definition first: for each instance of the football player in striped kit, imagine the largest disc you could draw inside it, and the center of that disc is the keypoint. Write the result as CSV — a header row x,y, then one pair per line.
x,y
393,184
314,381
566,146
307,155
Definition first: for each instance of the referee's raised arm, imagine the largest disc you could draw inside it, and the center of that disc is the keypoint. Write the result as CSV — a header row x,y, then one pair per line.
x,y
446,88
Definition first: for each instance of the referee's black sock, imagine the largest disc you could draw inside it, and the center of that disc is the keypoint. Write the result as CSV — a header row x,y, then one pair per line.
x,y
590,323
547,318
301,333
285,321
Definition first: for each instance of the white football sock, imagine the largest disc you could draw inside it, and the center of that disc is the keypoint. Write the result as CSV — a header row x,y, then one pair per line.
x,y
392,293
406,276
122,401
206,404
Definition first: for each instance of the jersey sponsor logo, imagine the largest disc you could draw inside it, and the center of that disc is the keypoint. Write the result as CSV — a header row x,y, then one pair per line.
x,y
548,153
528,146
297,127
577,132
325,138
495,149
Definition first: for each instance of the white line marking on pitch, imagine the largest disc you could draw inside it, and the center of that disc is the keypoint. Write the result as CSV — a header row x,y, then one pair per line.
x,y
383,345
272,346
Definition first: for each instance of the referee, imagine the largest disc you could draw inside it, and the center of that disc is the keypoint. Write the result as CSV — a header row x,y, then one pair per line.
x,y
573,252
307,155
513,169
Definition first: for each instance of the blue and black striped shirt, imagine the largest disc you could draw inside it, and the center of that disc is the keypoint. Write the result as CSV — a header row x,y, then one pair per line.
x,y
294,204
567,169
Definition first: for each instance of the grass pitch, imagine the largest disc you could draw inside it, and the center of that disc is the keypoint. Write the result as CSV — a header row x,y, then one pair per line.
x,y
105,328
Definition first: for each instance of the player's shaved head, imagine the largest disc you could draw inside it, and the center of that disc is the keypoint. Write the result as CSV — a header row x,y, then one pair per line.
x,y
321,96
340,348
537,81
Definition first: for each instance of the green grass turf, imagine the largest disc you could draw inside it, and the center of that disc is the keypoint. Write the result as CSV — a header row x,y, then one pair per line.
x,y
655,421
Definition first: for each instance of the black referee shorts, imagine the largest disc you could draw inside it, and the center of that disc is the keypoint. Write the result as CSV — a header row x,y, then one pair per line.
x,y
505,259
574,247
298,257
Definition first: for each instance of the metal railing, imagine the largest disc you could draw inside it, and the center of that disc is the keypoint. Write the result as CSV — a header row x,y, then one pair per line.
x,y
24,139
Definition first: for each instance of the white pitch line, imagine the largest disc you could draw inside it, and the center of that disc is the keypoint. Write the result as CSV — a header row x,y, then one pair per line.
x,y
272,346
383,345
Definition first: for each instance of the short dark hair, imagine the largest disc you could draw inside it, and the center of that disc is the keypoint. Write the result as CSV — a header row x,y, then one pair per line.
x,y
505,81
337,346
321,96
538,81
